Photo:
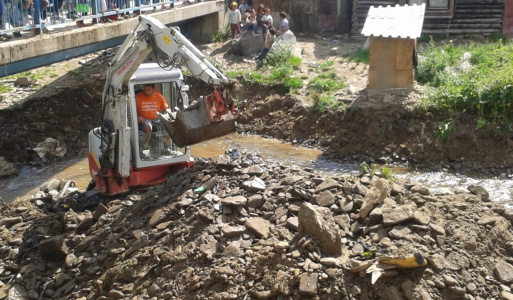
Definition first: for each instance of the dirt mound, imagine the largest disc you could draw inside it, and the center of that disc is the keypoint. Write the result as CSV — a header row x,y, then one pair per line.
x,y
246,228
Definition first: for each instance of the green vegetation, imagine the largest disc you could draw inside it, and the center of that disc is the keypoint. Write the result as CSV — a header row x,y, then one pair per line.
x,y
32,75
322,86
365,168
372,170
4,88
326,66
444,130
221,35
324,102
277,67
387,174
325,82
425,38
359,56
480,123
473,78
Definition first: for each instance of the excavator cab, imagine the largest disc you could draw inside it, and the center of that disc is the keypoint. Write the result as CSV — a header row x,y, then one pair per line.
x,y
161,148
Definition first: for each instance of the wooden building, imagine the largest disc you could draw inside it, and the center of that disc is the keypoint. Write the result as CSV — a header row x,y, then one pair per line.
x,y
392,33
468,17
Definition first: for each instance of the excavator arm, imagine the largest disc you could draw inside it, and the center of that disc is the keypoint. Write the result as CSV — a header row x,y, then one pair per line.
x,y
210,117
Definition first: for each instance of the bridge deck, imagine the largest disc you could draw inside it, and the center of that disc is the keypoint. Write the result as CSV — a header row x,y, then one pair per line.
x,y
67,42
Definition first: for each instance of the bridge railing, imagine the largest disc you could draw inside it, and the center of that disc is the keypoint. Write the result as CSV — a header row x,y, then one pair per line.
x,y
34,15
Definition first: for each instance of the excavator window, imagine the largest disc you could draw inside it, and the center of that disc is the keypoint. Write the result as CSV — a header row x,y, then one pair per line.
x,y
160,145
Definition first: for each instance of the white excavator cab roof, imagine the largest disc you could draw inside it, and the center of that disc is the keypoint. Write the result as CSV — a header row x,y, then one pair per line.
x,y
152,72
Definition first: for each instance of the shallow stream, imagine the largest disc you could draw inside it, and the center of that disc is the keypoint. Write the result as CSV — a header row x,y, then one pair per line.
x,y
76,170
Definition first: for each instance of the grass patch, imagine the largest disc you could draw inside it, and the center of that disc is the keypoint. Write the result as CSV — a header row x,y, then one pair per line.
x,y
425,38
278,67
325,82
323,102
221,35
4,88
321,87
359,56
473,78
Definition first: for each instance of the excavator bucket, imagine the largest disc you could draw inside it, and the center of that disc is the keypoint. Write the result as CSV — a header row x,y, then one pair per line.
x,y
192,125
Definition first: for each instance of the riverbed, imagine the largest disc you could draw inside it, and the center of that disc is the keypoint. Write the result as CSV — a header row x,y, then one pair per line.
x,y
30,178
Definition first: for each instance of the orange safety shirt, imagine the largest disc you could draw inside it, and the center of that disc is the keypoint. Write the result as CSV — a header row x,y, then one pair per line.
x,y
147,107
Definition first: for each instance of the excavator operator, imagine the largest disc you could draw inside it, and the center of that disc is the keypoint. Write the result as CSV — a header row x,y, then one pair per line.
x,y
149,102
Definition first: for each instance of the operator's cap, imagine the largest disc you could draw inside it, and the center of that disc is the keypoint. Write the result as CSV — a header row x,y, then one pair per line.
x,y
234,3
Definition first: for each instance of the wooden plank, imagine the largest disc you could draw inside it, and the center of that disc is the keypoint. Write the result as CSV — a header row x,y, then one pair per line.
x,y
462,26
404,78
480,21
480,11
381,63
404,54
459,31
465,2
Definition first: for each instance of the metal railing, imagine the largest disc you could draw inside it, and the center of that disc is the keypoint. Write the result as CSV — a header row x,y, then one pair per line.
x,y
34,15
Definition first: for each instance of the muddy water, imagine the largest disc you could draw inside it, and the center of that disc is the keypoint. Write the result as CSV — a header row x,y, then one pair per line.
x,y
29,179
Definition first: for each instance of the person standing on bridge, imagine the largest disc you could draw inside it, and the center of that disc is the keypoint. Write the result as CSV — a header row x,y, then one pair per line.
x,y
234,19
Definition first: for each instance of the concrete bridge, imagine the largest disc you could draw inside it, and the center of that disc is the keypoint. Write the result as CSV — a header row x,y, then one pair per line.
x,y
204,19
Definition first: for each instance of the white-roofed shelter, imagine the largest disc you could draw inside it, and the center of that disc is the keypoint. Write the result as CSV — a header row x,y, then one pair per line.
x,y
392,33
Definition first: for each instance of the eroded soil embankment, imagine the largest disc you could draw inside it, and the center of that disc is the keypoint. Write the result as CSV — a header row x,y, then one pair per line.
x,y
66,115
362,130
381,131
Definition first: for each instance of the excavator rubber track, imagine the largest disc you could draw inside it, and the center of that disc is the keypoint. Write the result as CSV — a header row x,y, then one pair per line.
x,y
192,126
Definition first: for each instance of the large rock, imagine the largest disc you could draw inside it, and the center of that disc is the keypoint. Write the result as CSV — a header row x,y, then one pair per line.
x,y
318,222
100,210
158,216
479,191
233,231
343,221
325,199
237,200
308,284
248,44
255,185
53,248
393,216
23,81
260,227
9,222
374,196
6,168
51,146
327,184
50,185
504,272
256,201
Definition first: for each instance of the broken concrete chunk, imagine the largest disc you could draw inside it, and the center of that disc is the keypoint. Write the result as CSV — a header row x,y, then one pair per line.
x,y
318,222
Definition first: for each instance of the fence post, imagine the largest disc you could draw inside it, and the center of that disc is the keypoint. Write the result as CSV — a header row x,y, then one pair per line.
x,y
37,17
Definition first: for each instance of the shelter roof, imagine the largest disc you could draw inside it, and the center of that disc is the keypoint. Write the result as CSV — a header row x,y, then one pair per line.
x,y
395,22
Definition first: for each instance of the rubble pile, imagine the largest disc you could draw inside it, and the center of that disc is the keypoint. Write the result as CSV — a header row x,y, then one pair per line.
x,y
243,228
